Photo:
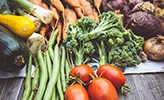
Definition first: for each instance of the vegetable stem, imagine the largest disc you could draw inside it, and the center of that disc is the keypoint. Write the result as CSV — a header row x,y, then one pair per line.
x,y
27,90
63,76
43,76
35,80
55,75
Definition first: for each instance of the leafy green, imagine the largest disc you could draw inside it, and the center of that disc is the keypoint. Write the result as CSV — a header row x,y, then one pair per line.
x,y
107,41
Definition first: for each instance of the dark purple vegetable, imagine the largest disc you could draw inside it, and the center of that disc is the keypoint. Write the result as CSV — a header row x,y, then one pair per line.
x,y
145,24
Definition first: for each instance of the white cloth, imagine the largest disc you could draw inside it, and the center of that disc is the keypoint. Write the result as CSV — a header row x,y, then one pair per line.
x,y
147,67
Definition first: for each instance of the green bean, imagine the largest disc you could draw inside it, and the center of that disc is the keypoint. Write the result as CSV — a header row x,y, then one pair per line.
x,y
63,76
49,64
59,88
55,74
27,90
52,38
43,76
35,80
67,68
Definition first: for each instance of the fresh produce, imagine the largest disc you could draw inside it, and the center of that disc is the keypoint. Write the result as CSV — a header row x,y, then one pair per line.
x,y
37,22
111,5
76,92
107,40
35,42
43,14
68,20
20,25
113,74
145,24
82,72
102,89
154,48
43,78
55,70
14,52
27,90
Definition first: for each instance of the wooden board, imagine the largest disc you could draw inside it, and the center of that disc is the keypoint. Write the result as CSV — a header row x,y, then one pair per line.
x,y
144,87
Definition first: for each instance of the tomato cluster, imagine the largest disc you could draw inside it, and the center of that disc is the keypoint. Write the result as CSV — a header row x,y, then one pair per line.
x,y
104,87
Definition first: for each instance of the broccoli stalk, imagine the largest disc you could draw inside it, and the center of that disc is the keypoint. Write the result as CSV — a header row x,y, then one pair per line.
x,y
113,43
80,49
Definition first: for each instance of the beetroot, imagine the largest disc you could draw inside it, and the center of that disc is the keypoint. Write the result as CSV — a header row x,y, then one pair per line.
x,y
145,24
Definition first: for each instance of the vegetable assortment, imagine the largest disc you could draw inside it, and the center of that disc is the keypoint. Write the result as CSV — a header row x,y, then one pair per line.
x,y
63,37
14,52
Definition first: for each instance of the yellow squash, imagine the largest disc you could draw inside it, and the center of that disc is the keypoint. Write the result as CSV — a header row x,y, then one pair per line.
x,y
20,25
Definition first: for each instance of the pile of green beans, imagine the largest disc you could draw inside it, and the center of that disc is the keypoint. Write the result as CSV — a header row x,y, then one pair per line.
x,y
51,72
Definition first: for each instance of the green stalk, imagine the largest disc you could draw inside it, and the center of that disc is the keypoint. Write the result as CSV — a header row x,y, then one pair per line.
x,y
102,53
35,80
51,43
44,15
63,76
24,4
52,38
59,88
43,76
55,75
27,90
49,64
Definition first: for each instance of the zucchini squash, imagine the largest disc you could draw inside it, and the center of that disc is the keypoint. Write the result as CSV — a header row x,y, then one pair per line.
x,y
14,52
20,25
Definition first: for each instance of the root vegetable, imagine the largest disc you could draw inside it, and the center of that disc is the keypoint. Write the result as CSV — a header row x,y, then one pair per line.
x,y
154,48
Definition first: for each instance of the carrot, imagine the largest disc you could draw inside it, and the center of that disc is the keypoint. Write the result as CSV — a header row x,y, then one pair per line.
x,y
96,16
79,12
37,2
87,7
44,5
53,24
97,4
74,3
92,16
55,13
59,27
58,4
88,11
70,18
44,29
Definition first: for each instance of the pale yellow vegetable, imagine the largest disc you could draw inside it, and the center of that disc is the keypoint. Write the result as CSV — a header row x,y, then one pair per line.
x,y
20,25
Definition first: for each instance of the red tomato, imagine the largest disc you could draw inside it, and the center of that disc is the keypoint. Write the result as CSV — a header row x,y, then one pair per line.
x,y
76,92
84,72
102,89
113,74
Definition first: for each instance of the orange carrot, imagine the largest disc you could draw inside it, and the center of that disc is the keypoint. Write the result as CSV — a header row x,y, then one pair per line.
x,y
92,16
37,2
70,18
73,3
58,4
43,30
96,16
59,27
52,24
54,11
44,5
79,12
87,7
97,4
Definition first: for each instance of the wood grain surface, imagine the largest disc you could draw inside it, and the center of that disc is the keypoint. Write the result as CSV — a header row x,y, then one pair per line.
x,y
144,87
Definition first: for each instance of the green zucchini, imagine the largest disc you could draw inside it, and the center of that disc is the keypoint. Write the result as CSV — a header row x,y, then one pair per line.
x,y
14,53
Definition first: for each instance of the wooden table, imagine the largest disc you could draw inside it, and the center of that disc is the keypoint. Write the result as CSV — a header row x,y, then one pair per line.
x,y
144,87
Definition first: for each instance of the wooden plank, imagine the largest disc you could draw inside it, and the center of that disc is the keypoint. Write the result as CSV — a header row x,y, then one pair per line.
x,y
145,87
11,89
